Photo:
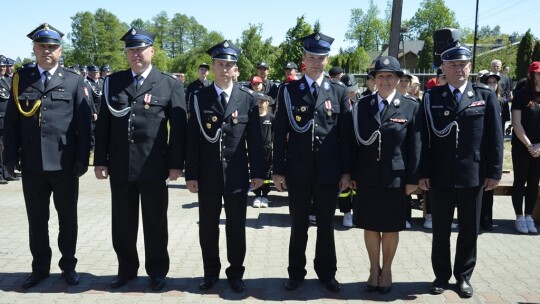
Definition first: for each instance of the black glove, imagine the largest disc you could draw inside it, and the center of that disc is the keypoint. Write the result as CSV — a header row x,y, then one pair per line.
x,y
79,169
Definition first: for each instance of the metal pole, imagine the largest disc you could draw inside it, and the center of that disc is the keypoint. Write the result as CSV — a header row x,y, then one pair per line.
x,y
395,26
475,38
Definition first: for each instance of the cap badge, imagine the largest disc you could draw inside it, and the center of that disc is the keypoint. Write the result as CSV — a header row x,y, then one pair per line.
x,y
386,61
133,32
317,37
302,86
226,44
46,26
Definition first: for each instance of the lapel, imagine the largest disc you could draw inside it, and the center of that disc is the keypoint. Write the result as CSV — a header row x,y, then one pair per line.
x,y
324,92
232,104
391,109
128,83
56,79
147,85
467,98
215,104
374,108
35,80
308,98
3,83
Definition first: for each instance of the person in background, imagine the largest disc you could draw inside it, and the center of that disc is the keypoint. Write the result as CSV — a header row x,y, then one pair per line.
x,y
438,80
256,84
526,149
105,71
335,73
267,129
505,83
371,86
290,69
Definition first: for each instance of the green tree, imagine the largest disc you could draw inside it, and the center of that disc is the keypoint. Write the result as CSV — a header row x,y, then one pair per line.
x,y
536,52
291,48
425,62
431,16
367,30
352,60
254,50
524,53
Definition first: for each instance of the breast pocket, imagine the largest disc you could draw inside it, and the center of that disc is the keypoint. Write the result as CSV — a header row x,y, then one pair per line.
x,y
475,117
155,108
119,102
61,102
332,115
239,127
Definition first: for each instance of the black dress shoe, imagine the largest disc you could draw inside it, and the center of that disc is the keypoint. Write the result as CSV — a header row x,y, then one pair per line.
x,y
157,283
34,278
71,277
120,281
292,284
371,288
3,182
384,290
237,285
332,285
207,283
438,286
465,289
486,224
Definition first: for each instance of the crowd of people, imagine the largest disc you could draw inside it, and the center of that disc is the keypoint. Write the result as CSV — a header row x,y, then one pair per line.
x,y
315,136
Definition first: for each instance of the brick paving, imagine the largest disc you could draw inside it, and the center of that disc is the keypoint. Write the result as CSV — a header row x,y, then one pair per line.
x,y
508,269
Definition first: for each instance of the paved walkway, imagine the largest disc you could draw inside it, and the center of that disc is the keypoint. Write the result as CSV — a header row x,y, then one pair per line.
x,y
508,269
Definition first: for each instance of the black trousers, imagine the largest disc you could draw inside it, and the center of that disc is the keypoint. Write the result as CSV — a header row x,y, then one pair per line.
x,y
2,169
37,190
235,205
487,206
443,203
526,171
324,199
154,200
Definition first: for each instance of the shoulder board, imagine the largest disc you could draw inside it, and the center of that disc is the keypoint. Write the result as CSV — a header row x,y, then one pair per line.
x,y
247,90
170,75
71,70
481,86
411,98
337,82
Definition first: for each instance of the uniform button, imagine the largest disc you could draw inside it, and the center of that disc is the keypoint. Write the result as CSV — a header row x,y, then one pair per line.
x,y
224,134
131,141
317,150
132,114
315,112
224,147
44,122
317,137
224,159
134,102
132,128
223,123
44,109
316,125
44,96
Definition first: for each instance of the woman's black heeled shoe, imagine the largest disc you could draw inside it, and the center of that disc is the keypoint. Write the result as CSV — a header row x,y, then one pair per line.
x,y
371,288
385,290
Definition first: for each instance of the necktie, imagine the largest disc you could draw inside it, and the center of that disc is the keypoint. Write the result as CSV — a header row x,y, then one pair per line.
x,y
47,78
385,106
456,97
223,99
138,81
315,86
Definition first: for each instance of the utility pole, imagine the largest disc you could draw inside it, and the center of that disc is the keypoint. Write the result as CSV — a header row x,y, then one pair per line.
x,y
395,28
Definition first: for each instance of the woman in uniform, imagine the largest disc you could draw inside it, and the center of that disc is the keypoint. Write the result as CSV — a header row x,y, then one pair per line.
x,y
387,152
526,149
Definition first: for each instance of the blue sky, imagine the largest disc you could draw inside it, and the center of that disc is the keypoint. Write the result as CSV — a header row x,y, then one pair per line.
x,y
277,16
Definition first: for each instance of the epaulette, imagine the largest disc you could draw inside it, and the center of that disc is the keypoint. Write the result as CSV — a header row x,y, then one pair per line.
x,y
71,70
481,86
248,90
168,74
337,82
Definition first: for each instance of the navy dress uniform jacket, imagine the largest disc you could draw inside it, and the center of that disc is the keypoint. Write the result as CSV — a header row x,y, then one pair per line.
x,y
225,172
479,152
400,143
328,156
149,148
58,135
5,87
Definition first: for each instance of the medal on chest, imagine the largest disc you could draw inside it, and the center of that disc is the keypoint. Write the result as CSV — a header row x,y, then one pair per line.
x,y
235,117
147,99
328,105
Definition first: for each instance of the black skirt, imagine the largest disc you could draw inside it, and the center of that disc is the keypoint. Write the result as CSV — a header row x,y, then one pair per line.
x,y
380,209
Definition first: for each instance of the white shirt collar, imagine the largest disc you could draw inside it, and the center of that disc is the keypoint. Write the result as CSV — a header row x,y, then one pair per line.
x,y
389,98
461,89
227,91
51,71
144,74
311,81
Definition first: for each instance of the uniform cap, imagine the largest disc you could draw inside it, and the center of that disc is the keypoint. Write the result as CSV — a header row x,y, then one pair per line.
x,y
225,51
256,79
350,82
458,53
61,60
82,68
46,33
264,97
486,76
92,68
3,60
387,64
10,62
317,43
263,65
407,73
534,67
291,65
335,71
204,65
31,64
105,67
136,38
